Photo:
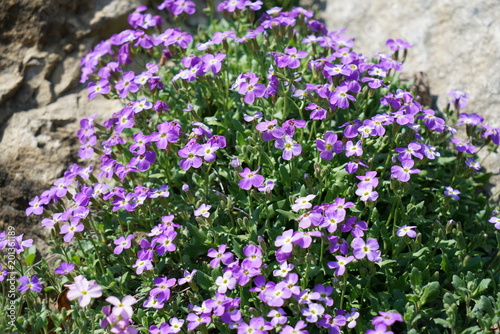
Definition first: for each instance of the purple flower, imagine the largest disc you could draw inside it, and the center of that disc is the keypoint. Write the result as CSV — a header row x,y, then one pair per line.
x,y
203,210
472,164
102,87
250,178
379,329
142,265
225,282
369,179
253,256
213,63
398,44
143,161
291,59
463,147
366,193
196,320
127,84
402,173
353,149
188,277
353,166
324,293
69,230
289,146
207,151
317,113
431,121
163,285
64,268
83,290
355,227
303,203
191,158
387,318
257,325
20,243
251,89
332,219
269,130
453,193
277,317
219,256
122,308
313,312
275,294
495,220
340,98
295,330
162,191
283,270
266,187
142,104
250,118
458,98
285,241
411,151
340,264
165,242
168,132
36,206
125,201
406,230
368,249
32,284
470,119
123,243
329,146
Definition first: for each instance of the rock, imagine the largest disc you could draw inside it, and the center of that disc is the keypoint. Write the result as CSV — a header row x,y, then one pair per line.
x,y
40,143
66,76
10,83
113,13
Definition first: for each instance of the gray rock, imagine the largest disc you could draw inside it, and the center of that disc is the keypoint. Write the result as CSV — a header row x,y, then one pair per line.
x,y
10,83
44,139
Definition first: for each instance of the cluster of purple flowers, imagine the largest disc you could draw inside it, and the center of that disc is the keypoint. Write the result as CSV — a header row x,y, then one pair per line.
x,y
162,241
193,152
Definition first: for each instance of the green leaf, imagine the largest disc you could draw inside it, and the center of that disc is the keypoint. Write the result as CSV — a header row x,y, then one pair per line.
x,y
421,252
446,160
416,277
442,322
429,293
484,305
483,286
457,282
30,259
285,175
203,280
40,323
287,214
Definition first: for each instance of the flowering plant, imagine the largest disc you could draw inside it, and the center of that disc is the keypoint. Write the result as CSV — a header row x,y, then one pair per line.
x,y
263,177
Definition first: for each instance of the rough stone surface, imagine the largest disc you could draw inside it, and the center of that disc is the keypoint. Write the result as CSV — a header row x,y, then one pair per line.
x,y
455,43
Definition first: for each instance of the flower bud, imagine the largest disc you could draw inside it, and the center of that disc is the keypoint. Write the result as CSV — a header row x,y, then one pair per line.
x,y
235,163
